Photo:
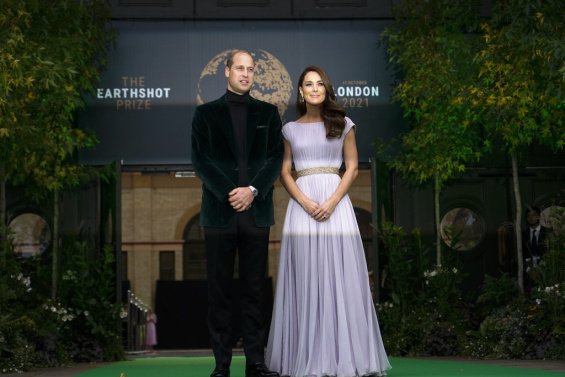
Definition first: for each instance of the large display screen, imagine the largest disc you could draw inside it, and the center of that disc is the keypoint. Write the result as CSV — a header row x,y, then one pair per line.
x,y
158,73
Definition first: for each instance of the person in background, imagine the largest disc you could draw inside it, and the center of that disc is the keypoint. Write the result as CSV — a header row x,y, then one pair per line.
x,y
237,153
534,240
151,331
324,322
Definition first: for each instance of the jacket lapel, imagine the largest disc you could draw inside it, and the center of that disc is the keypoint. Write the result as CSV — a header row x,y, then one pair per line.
x,y
225,116
252,122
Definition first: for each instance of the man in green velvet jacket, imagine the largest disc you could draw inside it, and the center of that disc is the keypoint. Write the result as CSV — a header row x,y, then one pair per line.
x,y
237,153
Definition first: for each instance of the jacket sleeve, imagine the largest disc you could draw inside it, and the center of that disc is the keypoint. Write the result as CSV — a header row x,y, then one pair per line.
x,y
206,168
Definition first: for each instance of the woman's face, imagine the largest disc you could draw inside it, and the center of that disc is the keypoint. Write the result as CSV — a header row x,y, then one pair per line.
x,y
313,89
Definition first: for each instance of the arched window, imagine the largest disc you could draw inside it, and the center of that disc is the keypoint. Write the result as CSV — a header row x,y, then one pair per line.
x,y
462,228
364,220
30,234
194,251
365,223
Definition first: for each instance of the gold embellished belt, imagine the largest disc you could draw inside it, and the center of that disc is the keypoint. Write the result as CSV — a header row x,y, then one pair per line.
x,y
321,170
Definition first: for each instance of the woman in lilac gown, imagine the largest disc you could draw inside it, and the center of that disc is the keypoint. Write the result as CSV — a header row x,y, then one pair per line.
x,y
324,322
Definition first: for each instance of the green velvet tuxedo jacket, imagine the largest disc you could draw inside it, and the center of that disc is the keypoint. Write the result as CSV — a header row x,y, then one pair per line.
x,y
214,158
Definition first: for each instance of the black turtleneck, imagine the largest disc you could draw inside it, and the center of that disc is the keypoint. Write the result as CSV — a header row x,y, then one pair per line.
x,y
237,104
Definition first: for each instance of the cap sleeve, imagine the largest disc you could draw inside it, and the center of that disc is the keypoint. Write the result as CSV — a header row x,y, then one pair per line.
x,y
348,126
286,130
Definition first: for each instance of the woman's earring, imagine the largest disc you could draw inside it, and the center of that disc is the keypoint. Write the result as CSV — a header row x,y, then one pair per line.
x,y
301,98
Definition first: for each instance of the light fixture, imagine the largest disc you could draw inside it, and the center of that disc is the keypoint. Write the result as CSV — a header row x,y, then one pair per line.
x,y
185,174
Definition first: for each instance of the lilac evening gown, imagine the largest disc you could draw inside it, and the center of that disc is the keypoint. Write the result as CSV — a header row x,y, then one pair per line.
x,y
324,322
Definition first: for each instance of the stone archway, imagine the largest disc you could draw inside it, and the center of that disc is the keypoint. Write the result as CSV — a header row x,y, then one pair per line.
x,y
364,221
193,251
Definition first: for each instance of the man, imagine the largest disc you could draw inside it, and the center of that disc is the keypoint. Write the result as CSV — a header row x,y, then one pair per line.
x,y
237,152
534,241
535,235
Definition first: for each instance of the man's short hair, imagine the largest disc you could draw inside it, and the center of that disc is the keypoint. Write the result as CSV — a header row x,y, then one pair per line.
x,y
229,60
533,209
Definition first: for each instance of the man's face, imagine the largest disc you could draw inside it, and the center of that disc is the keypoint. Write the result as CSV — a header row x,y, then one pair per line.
x,y
532,218
240,75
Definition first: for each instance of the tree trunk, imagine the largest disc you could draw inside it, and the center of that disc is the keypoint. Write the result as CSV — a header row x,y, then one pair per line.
x,y
55,250
437,190
518,221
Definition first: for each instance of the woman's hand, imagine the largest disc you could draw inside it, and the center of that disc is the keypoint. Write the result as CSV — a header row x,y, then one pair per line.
x,y
310,206
324,211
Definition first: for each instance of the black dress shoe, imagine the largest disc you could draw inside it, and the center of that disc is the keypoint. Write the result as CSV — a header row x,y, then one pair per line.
x,y
221,371
259,370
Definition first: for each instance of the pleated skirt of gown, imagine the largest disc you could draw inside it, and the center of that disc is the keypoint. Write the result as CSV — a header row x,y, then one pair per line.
x,y
324,322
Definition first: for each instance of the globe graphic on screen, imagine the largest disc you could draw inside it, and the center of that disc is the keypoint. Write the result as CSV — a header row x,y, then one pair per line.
x,y
272,83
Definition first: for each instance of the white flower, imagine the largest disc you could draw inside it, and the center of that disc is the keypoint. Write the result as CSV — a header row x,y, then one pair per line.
x,y
428,274
68,317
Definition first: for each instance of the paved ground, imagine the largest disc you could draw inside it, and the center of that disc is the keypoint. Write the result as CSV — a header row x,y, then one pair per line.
x,y
72,371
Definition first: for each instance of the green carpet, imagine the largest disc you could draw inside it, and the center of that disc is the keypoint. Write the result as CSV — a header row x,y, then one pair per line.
x,y
401,367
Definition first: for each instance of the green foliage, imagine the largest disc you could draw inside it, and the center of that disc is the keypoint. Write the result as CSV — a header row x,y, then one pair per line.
x,y
401,329
85,272
406,261
552,270
433,48
531,326
53,53
17,351
426,313
432,43
462,94
443,291
520,92
497,292
82,326
517,330
549,294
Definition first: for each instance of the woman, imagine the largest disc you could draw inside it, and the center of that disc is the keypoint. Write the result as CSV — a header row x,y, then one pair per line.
x,y
151,335
324,322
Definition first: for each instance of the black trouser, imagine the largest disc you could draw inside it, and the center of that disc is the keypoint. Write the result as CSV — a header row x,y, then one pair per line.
x,y
251,243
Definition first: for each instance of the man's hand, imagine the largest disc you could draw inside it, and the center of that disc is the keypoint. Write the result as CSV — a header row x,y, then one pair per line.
x,y
241,198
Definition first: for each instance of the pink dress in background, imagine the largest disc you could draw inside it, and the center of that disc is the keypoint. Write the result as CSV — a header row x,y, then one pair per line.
x,y
151,338
324,322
